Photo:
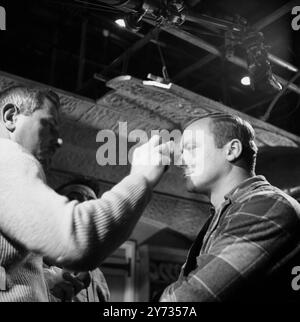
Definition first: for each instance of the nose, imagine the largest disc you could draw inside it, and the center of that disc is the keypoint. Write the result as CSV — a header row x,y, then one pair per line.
x,y
179,161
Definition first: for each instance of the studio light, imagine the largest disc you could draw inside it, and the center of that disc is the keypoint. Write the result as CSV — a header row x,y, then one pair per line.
x,y
121,23
246,81
259,66
131,21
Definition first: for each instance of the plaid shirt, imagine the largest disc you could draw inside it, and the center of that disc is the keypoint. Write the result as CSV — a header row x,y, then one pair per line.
x,y
248,250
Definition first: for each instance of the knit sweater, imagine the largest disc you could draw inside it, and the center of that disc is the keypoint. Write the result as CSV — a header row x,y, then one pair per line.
x,y
35,221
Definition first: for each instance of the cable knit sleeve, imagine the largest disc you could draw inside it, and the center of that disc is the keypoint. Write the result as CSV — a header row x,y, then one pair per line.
x,y
76,236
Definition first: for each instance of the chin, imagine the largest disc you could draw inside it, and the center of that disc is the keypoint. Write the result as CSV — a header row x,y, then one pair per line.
x,y
189,185
196,187
189,188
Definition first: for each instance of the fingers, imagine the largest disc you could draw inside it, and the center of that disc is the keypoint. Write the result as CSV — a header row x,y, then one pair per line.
x,y
152,153
151,159
167,148
154,141
164,147
64,291
76,283
84,277
59,293
164,153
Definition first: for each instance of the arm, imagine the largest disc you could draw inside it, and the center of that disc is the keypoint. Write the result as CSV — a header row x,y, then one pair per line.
x,y
73,235
246,245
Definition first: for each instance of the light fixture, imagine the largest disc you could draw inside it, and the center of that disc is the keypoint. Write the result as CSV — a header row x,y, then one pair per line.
x,y
252,46
259,66
131,21
246,81
121,23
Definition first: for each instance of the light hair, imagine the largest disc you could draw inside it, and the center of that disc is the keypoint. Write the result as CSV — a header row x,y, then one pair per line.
x,y
27,99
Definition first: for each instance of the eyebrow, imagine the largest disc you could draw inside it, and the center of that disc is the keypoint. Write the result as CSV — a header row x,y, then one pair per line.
x,y
185,145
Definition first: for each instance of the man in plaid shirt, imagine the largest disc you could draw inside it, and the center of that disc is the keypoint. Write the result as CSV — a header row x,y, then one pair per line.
x,y
249,245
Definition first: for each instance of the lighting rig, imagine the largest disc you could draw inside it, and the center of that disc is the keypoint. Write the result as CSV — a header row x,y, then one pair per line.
x,y
237,34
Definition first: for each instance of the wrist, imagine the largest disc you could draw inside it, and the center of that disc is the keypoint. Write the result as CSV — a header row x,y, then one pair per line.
x,y
139,177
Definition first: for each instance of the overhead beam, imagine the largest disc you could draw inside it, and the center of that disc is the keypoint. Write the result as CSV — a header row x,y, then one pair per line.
x,y
277,14
82,50
196,41
136,46
197,65
193,3
258,26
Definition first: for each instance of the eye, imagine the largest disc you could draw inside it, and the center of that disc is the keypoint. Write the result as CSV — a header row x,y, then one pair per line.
x,y
190,147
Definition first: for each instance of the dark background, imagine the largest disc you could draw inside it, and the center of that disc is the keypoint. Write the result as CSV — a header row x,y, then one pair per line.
x,y
43,40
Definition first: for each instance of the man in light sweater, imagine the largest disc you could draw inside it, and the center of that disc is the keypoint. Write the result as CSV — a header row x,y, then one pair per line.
x,y
35,221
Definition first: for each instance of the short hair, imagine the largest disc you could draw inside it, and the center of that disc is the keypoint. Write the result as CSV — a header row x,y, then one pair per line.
x,y
226,127
27,99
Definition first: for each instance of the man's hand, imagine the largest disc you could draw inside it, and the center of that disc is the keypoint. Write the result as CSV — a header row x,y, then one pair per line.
x,y
151,159
63,284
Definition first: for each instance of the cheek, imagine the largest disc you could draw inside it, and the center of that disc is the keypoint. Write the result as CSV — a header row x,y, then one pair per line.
x,y
207,164
36,131
201,159
36,135
27,132
187,157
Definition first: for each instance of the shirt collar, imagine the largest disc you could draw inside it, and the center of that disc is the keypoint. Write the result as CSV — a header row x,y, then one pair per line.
x,y
246,186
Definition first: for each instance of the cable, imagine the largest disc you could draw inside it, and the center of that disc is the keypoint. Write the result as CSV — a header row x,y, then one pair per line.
x,y
87,5
164,67
95,5
266,116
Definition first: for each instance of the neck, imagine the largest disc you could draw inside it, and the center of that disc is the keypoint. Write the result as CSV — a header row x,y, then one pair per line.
x,y
226,184
3,132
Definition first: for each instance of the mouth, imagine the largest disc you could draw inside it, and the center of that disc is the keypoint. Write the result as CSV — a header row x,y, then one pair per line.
x,y
187,172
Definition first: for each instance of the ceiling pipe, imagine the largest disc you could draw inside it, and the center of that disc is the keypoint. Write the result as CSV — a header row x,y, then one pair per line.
x,y
177,32
261,24
135,47
212,22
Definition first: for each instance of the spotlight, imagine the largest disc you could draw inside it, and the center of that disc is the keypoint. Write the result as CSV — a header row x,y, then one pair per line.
x,y
253,47
246,81
131,21
121,23
259,66
60,141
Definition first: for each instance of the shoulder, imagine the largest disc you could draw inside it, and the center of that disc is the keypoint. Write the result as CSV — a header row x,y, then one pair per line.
x,y
15,160
269,203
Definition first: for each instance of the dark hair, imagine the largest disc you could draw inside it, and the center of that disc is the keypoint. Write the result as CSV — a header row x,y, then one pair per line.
x,y
27,99
226,127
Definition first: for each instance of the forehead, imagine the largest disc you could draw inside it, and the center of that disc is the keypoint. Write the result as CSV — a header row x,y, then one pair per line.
x,y
197,130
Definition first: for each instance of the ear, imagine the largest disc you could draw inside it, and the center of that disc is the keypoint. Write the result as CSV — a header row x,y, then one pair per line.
x,y
9,115
234,150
